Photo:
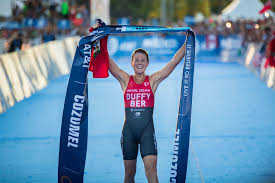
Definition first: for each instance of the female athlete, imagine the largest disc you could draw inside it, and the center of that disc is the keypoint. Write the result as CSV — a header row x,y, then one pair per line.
x,y
138,129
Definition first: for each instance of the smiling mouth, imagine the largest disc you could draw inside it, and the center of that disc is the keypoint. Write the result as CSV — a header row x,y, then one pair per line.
x,y
139,66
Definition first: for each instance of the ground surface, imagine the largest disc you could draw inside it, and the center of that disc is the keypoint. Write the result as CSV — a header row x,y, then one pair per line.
x,y
232,131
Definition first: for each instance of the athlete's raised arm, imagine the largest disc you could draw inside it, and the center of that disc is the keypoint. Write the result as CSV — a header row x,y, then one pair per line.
x,y
119,74
159,76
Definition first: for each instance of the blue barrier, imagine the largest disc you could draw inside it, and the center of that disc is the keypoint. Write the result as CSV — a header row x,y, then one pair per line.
x,y
29,22
40,23
154,44
64,24
123,21
118,46
208,48
23,73
10,25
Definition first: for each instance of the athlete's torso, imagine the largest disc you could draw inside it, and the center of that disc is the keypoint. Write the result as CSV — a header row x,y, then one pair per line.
x,y
139,105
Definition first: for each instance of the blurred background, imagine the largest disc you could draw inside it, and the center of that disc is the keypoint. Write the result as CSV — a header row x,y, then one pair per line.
x,y
233,121
31,22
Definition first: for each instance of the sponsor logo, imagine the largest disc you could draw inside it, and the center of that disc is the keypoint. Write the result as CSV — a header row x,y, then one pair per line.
x,y
131,90
144,90
131,84
175,158
187,72
137,90
188,57
157,42
74,128
87,55
146,83
96,32
137,114
134,110
122,29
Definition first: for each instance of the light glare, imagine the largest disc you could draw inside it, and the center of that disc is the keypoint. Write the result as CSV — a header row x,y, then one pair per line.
x,y
228,25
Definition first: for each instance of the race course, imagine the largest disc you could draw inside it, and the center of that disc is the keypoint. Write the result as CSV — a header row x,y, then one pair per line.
x,y
232,129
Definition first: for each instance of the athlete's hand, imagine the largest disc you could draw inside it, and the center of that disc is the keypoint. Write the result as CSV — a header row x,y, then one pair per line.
x,y
98,24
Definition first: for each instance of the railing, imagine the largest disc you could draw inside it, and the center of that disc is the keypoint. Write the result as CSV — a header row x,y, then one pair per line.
x,y
25,72
256,62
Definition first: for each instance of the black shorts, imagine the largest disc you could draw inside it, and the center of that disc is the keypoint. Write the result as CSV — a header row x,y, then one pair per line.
x,y
130,140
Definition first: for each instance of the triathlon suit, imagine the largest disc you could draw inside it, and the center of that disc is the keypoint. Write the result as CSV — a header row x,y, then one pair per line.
x,y
138,126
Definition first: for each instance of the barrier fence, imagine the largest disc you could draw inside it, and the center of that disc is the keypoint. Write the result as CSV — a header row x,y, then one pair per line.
x,y
25,72
208,48
256,62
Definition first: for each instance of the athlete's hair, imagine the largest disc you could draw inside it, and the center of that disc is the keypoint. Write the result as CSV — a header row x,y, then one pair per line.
x,y
140,50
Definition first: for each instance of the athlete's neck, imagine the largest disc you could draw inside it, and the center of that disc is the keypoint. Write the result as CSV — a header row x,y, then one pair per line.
x,y
139,78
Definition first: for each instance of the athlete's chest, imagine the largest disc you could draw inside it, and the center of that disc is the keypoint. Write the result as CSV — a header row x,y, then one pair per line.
x,y
138,95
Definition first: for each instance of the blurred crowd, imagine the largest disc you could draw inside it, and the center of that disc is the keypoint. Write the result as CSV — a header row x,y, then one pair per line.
x,y
251,31
34,21
259,32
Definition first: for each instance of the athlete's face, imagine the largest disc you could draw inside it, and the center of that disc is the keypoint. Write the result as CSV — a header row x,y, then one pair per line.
x,y
139,63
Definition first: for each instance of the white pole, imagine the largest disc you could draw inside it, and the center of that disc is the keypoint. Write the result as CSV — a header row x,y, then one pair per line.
x,y
100,9
163,13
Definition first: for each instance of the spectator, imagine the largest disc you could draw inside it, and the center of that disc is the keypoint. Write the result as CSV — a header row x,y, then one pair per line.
x,y
266,38
52,12
270,53
15,43
86,18
270,61
65,9
48,35
260,56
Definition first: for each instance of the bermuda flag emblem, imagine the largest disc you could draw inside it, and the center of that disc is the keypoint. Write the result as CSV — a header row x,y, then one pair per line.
x,y
266,7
